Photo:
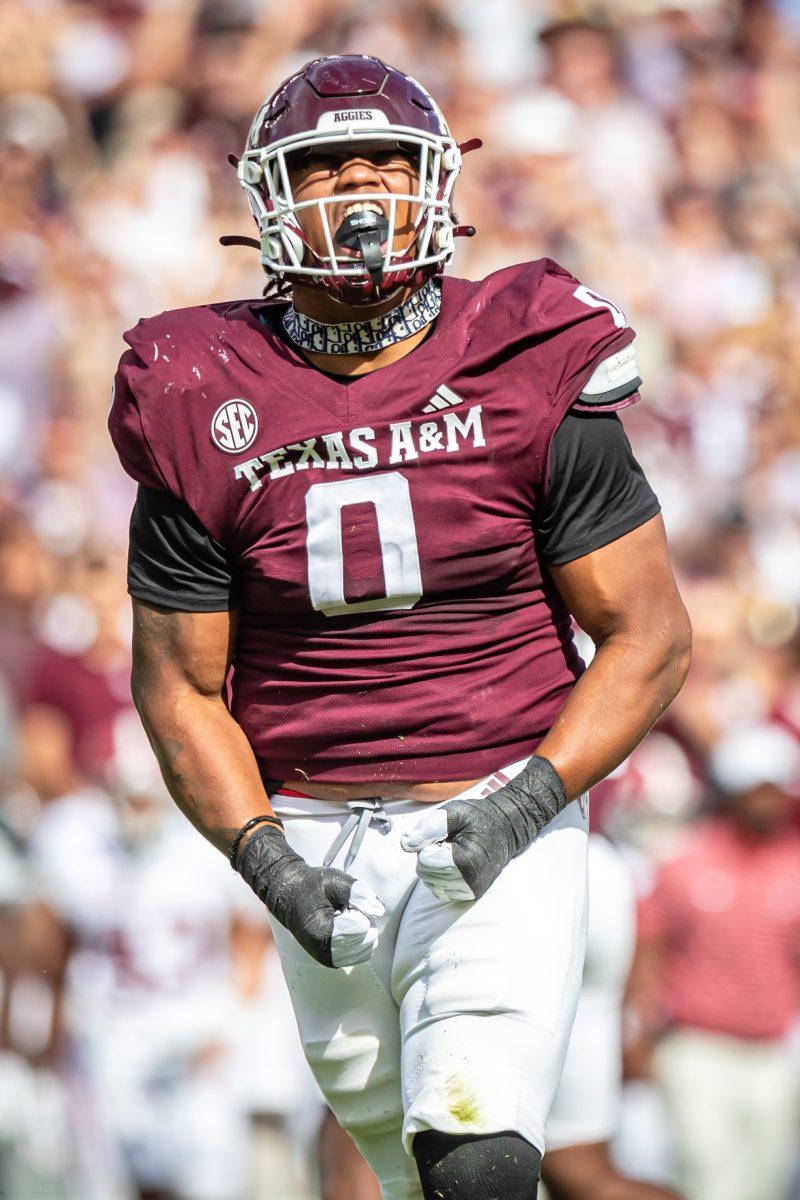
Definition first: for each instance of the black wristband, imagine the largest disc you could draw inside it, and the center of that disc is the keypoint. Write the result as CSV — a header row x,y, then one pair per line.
x,y
251,824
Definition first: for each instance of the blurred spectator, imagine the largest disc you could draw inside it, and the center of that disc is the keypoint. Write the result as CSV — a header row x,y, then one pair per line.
x,y
719,956
81,667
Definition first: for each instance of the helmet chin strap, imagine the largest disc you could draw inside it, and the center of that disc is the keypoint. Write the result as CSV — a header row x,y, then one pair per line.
x,y
365,232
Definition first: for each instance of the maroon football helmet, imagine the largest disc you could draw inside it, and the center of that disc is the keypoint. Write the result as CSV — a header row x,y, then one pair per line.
x,y
351,100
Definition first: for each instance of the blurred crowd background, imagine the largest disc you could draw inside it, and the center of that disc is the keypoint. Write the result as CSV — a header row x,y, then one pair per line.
x,y
653,148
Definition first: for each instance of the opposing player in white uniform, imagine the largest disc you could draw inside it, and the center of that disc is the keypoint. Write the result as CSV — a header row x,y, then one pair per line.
x,y
586,1111
149,1005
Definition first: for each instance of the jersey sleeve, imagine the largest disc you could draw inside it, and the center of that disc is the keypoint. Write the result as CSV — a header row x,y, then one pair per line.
x,y
165,389
596,492
584,352
126,427
173,561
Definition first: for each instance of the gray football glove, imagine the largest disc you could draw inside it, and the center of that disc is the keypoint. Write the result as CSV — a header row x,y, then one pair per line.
x,y
332,915
463,845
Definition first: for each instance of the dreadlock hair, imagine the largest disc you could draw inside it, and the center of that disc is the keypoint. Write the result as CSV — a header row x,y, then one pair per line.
x,y
277,288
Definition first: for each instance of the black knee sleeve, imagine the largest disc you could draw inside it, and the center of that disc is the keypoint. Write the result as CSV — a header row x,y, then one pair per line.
x,y
495,1166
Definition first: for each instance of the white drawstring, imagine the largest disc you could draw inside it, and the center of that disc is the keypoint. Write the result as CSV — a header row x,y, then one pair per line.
x,y
362,814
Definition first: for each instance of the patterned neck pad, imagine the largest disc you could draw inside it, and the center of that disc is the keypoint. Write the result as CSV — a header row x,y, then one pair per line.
x,y
362,337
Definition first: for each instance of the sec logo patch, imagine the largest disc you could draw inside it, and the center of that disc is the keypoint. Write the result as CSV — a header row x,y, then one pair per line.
x,y
234,426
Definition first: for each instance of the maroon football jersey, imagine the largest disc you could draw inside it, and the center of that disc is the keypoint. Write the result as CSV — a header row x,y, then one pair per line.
x,y
396,624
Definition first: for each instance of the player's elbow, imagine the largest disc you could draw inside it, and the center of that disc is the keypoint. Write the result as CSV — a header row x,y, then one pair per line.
x,y
675,644
154,688
165,696
681,637
655,641
144,692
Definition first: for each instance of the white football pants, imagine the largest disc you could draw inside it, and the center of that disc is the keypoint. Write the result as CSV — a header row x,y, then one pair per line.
x,y
460,1020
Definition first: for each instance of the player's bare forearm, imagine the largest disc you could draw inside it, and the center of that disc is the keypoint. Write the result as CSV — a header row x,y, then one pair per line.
x,y
625,690
180,663
624,596
207,764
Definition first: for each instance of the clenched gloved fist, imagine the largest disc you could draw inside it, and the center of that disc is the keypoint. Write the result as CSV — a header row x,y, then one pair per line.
x,y
332,915
463,845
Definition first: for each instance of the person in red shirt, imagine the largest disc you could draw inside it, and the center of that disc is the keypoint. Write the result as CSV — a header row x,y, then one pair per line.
x,y
720,952
379,495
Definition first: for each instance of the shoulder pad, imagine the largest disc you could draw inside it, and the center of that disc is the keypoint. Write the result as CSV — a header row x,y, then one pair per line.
x,y
571,327
165,340
126,427
169,354
613,384
580,330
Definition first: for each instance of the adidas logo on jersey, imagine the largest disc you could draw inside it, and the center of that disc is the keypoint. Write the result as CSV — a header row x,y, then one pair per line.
x,y
443,397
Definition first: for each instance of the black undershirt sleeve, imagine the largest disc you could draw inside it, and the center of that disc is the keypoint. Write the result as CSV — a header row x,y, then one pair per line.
x,y
597,491
173,561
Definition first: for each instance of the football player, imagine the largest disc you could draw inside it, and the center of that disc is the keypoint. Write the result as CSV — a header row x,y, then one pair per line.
x,y
379,495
